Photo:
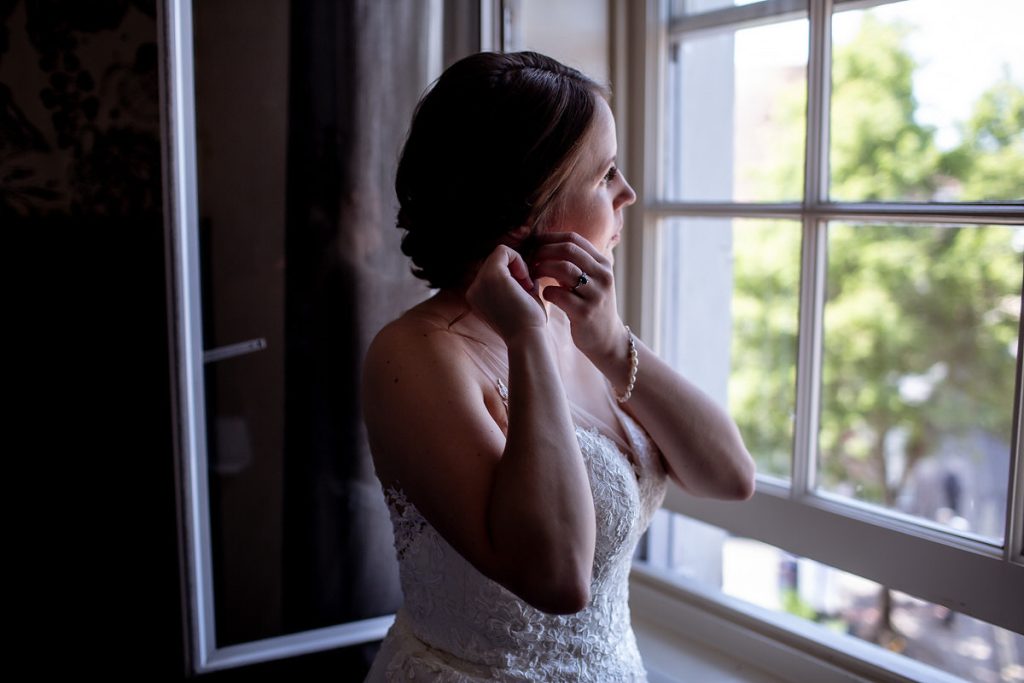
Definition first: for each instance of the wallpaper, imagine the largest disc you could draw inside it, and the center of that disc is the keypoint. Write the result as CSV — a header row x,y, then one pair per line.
x,y
79,109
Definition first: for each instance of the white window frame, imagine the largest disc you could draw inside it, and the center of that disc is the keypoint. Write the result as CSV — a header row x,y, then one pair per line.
x,y
903,553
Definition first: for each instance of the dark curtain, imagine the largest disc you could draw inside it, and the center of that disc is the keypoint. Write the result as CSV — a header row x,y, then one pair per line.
x,y
357,69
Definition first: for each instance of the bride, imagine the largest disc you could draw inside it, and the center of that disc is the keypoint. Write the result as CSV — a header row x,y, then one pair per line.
x,y
523,435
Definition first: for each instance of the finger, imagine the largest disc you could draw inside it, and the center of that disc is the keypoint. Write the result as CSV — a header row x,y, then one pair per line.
x,y
518,269
565,251
505,262
566,274
574,254
571,238
566,300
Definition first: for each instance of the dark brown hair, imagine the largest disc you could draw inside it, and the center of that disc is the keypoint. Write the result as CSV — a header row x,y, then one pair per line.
x,y
489,147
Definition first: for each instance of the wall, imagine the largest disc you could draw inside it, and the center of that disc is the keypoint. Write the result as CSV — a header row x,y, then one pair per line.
x,y
575,32
90,457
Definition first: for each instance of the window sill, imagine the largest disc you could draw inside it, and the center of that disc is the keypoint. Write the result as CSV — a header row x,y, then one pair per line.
x,y
687,632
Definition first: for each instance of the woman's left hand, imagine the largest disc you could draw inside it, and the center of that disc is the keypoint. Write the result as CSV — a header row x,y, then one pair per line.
x,y
698,440
585,291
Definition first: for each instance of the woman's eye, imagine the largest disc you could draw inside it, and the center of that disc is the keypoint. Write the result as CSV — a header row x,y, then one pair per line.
x,y
610,175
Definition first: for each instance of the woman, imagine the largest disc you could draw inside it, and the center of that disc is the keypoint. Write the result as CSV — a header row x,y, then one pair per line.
x,y
521,432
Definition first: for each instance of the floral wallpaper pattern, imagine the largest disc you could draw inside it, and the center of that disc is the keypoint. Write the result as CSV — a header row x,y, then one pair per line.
x,y
79,109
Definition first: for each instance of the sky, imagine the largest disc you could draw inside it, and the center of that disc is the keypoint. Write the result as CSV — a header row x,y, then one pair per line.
x,y
961,47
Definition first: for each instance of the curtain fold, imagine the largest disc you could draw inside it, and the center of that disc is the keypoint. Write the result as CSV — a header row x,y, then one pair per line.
x,y
356,71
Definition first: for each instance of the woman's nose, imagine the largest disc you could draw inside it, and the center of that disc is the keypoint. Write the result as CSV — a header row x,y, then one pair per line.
x,y
627,196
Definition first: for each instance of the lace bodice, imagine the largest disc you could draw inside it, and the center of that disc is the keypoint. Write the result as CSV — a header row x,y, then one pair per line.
x,y
457,625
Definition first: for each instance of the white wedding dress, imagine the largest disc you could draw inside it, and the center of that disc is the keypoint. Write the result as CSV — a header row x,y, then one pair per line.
x,y
458,626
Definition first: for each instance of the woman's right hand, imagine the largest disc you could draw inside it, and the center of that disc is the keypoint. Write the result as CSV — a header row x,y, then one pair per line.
x,y
505,295
514,501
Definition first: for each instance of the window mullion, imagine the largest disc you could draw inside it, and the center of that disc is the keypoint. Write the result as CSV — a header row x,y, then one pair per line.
x,y
1013,547
813,252
819,61
808,361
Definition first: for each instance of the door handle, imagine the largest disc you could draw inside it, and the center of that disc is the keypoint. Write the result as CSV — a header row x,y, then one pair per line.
x,y
232,350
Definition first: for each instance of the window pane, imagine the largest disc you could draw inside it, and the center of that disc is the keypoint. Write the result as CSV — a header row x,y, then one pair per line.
x,y
730,296
735,103
919,361
773,579
927,102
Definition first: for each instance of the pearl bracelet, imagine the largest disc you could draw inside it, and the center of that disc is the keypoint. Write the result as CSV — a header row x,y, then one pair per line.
x,y
634,365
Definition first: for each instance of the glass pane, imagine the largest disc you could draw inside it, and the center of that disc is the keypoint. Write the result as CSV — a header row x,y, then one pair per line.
x,y
927,102
300,535
730,294
735,110
773,579
242,245
541,27
919,362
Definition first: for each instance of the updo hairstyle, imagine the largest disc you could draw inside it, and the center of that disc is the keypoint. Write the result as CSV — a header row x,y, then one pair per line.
x,y
489,148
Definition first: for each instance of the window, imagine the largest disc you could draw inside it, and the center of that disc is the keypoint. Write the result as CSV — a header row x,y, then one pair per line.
x,y
832,245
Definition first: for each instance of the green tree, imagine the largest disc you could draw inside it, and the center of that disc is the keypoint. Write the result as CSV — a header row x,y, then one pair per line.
x,y
990,161
904,303
921,321
878,150
935,306
762,386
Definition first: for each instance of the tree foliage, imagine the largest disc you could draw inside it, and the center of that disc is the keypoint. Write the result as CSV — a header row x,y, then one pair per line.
x,y
878,149
989,163
920,320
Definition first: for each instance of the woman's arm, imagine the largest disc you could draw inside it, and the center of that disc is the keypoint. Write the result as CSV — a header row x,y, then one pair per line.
x,y
541,506
700,443
518,508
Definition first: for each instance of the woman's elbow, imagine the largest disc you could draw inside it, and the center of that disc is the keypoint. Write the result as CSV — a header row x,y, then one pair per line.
x,y
567,599
733,480
743,481
554,590
745,487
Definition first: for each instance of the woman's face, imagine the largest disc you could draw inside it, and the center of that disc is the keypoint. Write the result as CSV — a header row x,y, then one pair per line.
x,y
595,192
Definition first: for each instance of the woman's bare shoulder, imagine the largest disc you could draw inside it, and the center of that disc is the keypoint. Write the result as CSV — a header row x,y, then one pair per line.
x,y
417,359
419,392
418,337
